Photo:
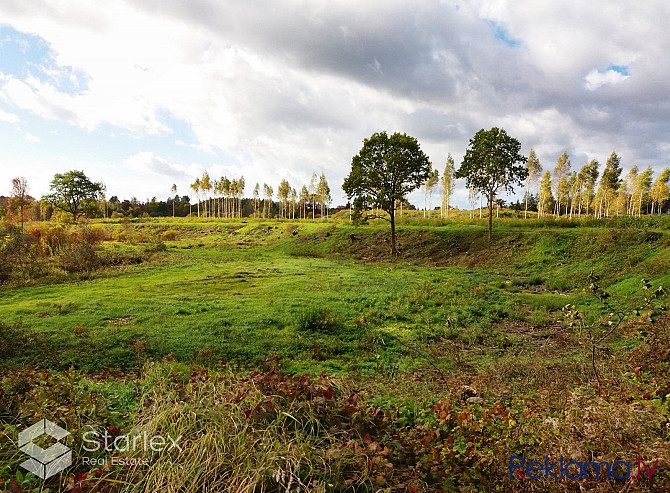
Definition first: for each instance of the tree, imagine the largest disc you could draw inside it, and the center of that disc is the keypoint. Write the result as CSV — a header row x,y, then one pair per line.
x,y
562,194
643,188
588,176
561,171
283,193
239,194
546,198
267,201
195,186
294,196
313,192
323,193
206,186
447,181
173,190
73,193
385,170
660,192
20,200
431,183
492,162
609,183
534,169
257,198
304,197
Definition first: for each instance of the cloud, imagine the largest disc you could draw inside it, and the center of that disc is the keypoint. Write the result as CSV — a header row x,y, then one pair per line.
x,y
612,76
279,88
8,117
156,164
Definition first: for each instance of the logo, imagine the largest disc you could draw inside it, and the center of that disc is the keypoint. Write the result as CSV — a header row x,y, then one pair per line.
x,y
44,463
578,470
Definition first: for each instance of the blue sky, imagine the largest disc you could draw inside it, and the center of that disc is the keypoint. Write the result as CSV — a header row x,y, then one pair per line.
x,y
141,94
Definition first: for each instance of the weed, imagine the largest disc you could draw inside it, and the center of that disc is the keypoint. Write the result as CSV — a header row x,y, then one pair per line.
x,y
317,319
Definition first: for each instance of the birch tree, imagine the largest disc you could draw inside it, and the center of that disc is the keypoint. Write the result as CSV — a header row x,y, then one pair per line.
x,y
660,192
447,181
534,170
560,171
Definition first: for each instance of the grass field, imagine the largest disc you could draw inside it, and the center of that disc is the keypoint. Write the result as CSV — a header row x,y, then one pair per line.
x,y
407,334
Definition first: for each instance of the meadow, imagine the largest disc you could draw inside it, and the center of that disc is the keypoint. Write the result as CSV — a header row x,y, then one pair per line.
x,y
351,370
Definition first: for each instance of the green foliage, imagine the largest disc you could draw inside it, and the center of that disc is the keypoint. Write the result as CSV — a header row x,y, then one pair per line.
x,y
384,171
73,193
492,162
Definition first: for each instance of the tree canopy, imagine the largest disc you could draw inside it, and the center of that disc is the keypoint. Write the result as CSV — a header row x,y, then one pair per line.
x,y
492,162
73,193
384,171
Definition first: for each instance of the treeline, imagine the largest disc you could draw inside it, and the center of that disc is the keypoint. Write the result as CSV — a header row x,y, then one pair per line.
x,y
225,198
73,195
572,193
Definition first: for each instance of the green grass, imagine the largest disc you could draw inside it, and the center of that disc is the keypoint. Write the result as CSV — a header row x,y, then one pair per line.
x,y
240,291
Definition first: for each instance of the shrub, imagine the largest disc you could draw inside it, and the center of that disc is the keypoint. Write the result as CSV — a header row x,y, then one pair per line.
x,y
93,234
317,319
80,257
169,235
51,238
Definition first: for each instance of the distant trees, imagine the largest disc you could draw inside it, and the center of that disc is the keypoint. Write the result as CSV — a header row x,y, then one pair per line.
x,y
384,171
492,162
73,193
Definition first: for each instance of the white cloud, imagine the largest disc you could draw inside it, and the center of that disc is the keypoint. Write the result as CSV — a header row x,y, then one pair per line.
x,y
8,117
596,78
147,161
285,88
31,138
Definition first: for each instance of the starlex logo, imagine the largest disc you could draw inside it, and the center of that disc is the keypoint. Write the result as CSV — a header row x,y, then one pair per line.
x,y
44,463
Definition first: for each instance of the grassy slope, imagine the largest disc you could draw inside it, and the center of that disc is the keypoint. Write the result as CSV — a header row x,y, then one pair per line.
x,y
239,289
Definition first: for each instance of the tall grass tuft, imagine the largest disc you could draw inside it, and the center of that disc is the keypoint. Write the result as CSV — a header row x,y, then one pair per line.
x,y
236,434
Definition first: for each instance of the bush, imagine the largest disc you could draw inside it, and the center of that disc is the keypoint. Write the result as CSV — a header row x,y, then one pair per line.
x,y
169,235
51,238
80,257
317,319
93,234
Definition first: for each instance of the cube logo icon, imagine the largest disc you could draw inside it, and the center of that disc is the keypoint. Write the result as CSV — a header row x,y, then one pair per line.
x,y
44,463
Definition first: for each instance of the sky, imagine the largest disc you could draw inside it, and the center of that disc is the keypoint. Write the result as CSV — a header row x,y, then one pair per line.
x,y
146,93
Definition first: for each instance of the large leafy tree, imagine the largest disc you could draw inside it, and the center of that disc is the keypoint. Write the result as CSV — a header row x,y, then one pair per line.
x,y
73,193
384,171
493,162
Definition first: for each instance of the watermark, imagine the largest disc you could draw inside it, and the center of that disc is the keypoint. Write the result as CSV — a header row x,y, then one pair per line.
x,y
115,461
95,441
578,470
44,463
